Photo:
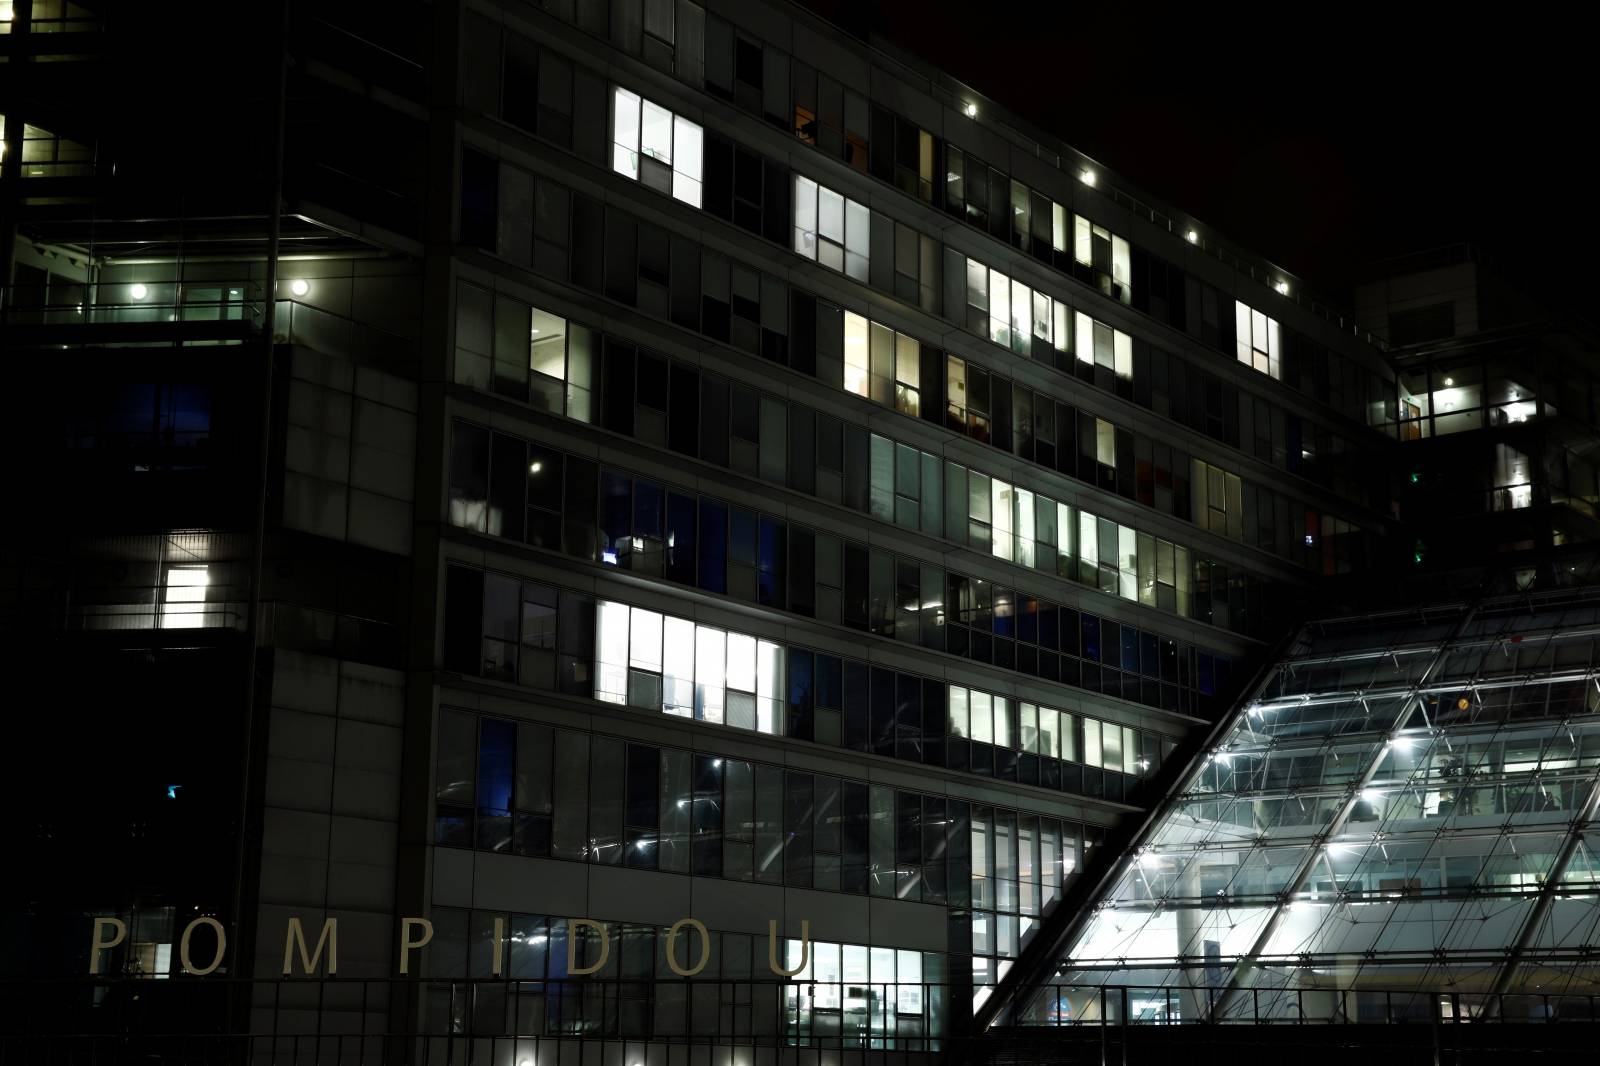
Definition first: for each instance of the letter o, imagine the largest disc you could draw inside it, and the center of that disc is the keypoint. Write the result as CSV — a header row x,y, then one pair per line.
x,y
705,947
183,946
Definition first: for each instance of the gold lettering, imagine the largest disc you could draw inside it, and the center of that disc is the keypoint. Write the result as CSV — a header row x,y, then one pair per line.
x,y
772,948
407,945
183,946
572,946
97,945
296,936
672,955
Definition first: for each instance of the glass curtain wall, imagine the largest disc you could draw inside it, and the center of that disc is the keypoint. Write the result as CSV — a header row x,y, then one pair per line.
x,y
1405,803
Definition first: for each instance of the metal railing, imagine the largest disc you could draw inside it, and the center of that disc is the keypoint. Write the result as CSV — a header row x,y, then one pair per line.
x,y
1057,153
235,308
511,1022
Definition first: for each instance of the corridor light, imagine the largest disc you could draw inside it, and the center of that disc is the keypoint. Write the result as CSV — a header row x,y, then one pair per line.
x,y
1192,237
138,291
1282,287
1088,177
299,286
535,466
971,110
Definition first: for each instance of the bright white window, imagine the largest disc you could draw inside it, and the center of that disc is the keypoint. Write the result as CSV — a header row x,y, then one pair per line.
x,y
857,364
1095,246
1121,262
1103,346
1083,241
688,167
625,133
1256,339
1025,528
959,724
655,133
654,147
1015,312
710,658
677,657
184,601
699,671
982,716
1127,563
611,649
831,228
1003,541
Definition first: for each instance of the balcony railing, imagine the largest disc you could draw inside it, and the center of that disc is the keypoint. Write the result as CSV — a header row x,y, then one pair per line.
x,y
236,310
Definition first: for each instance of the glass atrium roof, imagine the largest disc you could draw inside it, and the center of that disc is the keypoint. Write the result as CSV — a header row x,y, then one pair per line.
x,y
1404,802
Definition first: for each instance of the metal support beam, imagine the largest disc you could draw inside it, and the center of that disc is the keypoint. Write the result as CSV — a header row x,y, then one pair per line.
x,y
1313,853
1062,926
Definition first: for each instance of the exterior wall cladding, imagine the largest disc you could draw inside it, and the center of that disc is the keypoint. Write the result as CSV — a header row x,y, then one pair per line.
x,y
823,506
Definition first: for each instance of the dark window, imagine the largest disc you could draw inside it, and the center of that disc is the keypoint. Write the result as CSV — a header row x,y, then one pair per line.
x,y
480,184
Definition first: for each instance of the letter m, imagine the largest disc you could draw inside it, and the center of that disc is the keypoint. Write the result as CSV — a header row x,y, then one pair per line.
x,y
296,937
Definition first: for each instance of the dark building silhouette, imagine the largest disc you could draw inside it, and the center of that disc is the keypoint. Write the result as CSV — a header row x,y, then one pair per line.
x,y
511,463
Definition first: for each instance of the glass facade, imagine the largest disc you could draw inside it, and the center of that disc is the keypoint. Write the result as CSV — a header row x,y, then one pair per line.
x,y
1405,801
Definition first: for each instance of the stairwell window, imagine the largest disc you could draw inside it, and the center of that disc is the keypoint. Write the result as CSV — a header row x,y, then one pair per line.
x,y
654,147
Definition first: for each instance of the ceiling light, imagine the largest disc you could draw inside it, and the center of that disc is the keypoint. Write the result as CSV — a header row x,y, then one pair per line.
x,y
299,286
1449,382
139,292
971,110
1087,177
1192,237
535,466
1282,287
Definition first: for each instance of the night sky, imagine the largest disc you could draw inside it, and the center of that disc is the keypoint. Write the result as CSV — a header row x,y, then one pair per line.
x,y
1322,148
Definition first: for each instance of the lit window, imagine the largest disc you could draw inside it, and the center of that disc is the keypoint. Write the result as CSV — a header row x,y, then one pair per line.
x,y
653,146
857,367
907,374
1097,247
562,375
1256,339
656,662
183,605
1513,483
1058,227
1009,313
1217,500
1001,510
1103,346
831,228
882,364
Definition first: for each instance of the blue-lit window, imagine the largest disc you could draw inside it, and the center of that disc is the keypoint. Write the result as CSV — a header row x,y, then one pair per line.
x,y
497,742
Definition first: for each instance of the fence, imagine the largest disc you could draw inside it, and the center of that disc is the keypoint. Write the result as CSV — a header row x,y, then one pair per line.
x,y
761,1022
